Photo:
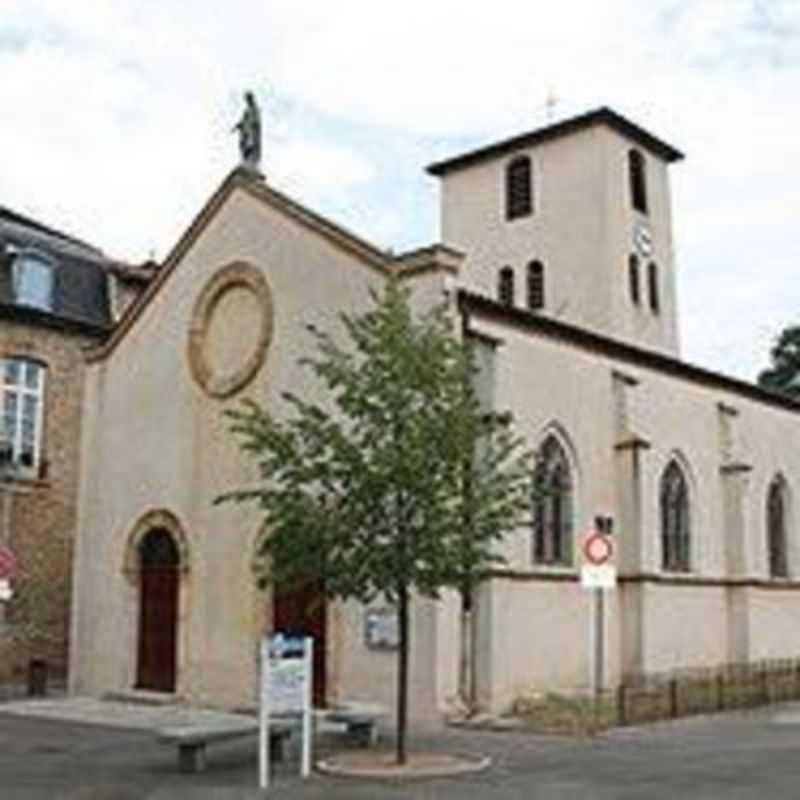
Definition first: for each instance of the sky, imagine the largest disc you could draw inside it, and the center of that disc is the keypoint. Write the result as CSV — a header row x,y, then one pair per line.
x,y
116,121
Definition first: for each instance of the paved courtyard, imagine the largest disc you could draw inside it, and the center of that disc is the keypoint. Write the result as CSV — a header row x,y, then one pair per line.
x,y
752,755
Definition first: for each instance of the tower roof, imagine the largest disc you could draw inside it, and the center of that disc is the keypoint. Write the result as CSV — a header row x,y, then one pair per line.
x,y
600,116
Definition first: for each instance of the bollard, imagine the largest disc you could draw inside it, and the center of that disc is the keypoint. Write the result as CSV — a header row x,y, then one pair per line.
x,y
622,710
37,677
672,689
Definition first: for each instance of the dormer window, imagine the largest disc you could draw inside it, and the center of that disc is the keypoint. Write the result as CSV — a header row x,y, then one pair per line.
x,y
519,188
32,276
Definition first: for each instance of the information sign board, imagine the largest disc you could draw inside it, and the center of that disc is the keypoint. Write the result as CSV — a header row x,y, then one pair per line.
x,y
598,576
286,679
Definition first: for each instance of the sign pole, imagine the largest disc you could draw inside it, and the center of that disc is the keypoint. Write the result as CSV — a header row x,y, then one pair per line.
x,y
263,718
599,641
598,573
308,655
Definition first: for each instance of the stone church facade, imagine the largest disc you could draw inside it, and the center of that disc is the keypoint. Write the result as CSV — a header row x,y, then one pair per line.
x,y
557,251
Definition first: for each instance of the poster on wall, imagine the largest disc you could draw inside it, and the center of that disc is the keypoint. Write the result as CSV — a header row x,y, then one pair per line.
x,y
381,631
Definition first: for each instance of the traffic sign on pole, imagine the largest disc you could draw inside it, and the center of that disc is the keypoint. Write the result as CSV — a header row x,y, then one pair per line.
x,y
598,548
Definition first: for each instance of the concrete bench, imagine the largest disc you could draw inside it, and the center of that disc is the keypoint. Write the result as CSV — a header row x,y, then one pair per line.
x,y
192,740
361,720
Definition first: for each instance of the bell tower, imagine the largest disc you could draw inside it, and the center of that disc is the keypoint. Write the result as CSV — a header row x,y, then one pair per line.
x,y
573,221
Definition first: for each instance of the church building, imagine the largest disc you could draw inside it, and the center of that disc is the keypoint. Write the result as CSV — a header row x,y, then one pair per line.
x,y
557,251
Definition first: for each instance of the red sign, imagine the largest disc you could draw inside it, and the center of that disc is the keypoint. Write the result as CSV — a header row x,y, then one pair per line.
x,y
597,548
8,563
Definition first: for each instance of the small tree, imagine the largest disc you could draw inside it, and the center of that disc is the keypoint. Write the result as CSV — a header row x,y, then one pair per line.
x,y
399,483
784,374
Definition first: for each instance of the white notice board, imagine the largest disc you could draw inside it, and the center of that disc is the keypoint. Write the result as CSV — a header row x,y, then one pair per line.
x,y
287,676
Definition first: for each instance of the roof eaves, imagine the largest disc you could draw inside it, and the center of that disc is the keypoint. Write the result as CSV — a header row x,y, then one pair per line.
x,y
28,222
253,184
183,244
373,256
589,340
602,115
46,319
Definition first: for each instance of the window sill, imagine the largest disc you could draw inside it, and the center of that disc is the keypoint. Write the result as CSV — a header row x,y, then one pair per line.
x,y
538,572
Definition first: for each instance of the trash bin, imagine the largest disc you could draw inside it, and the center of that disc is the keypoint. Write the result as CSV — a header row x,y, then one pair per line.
x,y
37,677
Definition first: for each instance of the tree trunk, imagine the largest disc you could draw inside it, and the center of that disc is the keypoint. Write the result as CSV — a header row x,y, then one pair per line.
x,y
402,674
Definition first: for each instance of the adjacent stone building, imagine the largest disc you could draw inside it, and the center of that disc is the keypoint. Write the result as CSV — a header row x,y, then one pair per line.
x,y
54,304
558,253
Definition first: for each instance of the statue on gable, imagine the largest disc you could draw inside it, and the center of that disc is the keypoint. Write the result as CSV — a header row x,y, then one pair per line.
x,y
249,128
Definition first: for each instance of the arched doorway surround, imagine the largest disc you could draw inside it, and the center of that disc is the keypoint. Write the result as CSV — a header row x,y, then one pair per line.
x,y
155,558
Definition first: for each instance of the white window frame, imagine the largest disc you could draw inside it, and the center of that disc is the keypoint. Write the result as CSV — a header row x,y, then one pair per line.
x,y
22,390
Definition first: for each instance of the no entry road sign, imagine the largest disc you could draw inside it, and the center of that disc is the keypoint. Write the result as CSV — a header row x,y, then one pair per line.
x,y
598,549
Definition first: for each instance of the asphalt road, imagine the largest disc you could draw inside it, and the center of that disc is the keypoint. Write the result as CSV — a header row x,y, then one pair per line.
x,y
731,757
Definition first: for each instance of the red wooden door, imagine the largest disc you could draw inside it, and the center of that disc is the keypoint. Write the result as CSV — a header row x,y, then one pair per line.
x,y
158,613
302,613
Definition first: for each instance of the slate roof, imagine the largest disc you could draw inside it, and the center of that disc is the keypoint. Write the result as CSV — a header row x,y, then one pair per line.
x,y
80,293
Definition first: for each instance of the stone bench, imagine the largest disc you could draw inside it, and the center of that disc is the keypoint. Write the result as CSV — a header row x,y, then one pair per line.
x,y
361,720
192,740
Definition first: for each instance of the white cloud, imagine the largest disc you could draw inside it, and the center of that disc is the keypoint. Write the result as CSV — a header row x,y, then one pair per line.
x,y
308,167
116,118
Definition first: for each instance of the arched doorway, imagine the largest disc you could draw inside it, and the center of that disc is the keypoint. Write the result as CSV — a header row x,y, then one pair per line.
x,y
159,562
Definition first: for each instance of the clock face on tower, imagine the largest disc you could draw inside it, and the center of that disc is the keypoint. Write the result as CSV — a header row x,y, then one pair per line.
x,y
643,240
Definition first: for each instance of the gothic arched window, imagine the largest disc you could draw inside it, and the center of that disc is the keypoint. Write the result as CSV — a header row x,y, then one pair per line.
x,y
519,188
633,279
505,286
652,282
638,180
776,529
675,522
535,285
552,505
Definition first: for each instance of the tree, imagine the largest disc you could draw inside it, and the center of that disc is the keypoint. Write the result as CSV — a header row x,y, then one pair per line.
x,y
784,374
400,483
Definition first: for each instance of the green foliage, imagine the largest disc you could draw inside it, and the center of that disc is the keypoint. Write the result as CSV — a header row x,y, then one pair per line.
x,y
784,374
399,480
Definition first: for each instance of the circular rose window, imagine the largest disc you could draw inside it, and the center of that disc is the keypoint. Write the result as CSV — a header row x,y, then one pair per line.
x,y
231,330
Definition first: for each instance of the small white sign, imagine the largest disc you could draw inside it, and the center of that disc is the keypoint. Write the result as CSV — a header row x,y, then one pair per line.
x,y
288,681
598,576
381,630
287,676
6,592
